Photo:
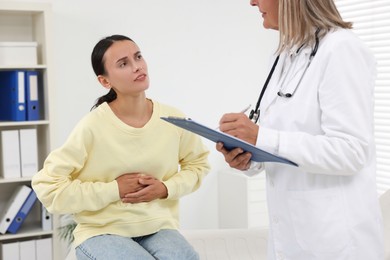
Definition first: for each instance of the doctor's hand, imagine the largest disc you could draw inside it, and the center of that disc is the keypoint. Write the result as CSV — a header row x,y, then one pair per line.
x,y
236,158
240,126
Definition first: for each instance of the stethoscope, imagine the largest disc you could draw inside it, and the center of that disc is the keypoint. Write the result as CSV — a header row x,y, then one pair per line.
x,y
255,113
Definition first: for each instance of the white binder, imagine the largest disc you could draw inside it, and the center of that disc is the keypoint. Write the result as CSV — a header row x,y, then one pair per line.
x,y
28,151
46,219
12,207
9,251
10,154
44,249
27,250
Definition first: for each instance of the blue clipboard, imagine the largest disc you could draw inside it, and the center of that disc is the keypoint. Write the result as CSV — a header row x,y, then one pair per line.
x,y
230,142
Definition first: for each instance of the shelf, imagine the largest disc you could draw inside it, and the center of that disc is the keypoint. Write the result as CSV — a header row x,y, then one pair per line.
x,y
27,232
29,22
22,8
15,180
23,67
23,123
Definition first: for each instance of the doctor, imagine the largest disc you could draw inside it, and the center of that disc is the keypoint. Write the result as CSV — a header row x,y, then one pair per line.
x,y
316,109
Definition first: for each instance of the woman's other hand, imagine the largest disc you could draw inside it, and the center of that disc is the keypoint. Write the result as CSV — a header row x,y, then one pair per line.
x,y
152,189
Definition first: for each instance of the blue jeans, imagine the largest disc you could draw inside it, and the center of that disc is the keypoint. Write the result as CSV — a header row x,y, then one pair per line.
x,y
167,244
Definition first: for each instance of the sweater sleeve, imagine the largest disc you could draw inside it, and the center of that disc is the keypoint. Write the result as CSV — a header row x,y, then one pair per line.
x,y
194,166
56,185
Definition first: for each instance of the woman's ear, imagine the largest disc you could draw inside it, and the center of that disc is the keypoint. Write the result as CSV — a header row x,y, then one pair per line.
x,y
104,82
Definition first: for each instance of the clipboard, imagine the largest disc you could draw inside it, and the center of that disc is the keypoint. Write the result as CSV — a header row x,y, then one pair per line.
x,y
230,142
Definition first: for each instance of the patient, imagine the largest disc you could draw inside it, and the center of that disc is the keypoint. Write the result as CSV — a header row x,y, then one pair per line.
x,y
123,170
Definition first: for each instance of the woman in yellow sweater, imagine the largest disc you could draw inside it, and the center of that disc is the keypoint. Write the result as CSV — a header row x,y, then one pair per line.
x,y
123,170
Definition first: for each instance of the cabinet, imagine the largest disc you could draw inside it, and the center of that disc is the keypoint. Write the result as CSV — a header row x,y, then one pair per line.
x,y
241,200
28,22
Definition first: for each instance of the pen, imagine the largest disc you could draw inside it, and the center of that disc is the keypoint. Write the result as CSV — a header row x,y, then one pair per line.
x,y
245,109
242,111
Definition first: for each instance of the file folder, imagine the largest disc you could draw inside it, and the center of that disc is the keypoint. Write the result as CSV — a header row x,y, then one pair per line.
x,y
32,97
23,212
12,96
27,250
46,219
9,251
10,154
13,206
44,249
230,142
28,152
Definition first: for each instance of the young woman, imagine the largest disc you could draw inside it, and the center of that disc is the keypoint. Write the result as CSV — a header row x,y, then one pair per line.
x,y
317,111
123,170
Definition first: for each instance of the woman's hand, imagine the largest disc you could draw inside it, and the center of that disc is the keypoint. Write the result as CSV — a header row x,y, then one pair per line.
x,y
129,183
151,189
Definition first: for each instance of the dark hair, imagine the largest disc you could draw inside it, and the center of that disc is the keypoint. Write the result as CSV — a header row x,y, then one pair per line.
x,y
98,63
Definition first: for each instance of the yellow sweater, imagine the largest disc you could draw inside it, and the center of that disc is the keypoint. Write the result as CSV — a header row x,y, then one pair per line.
x,y
79,177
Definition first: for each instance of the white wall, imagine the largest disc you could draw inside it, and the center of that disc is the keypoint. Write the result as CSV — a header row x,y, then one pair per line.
x,y
206,57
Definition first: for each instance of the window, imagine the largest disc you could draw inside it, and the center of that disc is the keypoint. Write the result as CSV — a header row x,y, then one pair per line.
x,y
371,20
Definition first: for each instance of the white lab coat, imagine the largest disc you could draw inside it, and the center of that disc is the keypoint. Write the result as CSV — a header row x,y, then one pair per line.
x,y
327,208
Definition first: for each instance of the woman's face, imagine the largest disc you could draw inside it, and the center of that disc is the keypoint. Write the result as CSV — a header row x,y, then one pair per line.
x,y
127,71
270,12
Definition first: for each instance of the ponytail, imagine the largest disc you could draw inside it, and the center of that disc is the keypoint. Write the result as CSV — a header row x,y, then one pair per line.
x,y
110,96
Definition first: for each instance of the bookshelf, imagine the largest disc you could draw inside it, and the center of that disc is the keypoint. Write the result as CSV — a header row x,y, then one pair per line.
x,y
29,22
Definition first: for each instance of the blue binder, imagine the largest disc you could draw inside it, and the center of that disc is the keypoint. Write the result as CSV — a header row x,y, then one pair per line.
x,y
23,212
32,98
12,95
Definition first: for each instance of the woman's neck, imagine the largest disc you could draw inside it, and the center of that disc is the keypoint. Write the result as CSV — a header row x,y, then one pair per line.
x,y
135,112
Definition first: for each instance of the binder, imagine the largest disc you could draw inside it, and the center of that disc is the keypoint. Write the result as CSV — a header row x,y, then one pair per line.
x,y
46,219
10,154
9,251
27,250
28,152
13,206
32,97
23,212
44,249
12,96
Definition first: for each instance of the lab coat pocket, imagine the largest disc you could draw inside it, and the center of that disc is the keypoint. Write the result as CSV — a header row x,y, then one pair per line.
x,y
319,220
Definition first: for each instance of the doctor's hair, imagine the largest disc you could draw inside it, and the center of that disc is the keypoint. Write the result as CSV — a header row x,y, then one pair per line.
x,y
98,63
298,20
